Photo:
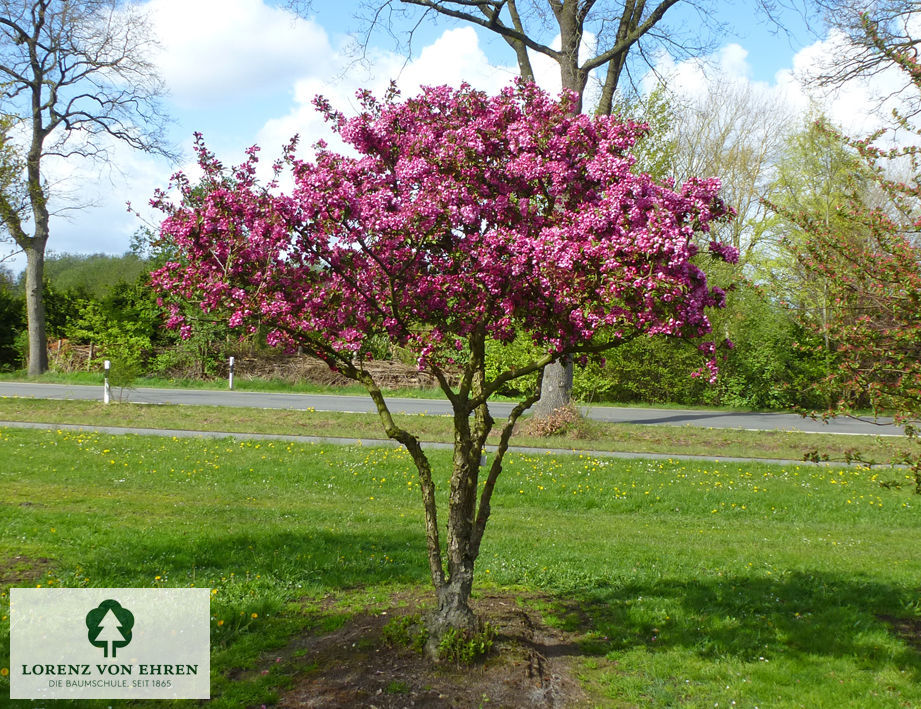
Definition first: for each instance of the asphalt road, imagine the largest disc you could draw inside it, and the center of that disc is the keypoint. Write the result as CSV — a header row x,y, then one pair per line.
x,y
359,404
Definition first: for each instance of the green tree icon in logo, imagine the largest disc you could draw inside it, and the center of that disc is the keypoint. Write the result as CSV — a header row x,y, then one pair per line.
x,y
109,626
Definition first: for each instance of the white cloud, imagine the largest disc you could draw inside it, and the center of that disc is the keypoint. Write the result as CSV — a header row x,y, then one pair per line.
x,y
859,106
230,50
455,57
102,221
692,78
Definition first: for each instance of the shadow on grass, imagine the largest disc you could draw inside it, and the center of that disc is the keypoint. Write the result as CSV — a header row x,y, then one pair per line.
x,y
807,615
321,561
746,618
802,614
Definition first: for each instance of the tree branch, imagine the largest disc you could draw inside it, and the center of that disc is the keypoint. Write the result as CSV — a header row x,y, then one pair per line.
x,y
494,26
632,37
411,443
495,468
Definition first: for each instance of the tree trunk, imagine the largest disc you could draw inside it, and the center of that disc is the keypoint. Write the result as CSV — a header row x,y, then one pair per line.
x,y
572,76
453,612
35,311
35,246
556,388
466,519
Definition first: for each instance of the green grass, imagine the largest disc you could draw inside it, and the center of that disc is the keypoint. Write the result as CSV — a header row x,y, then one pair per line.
x,y
689,584
591,435
239,384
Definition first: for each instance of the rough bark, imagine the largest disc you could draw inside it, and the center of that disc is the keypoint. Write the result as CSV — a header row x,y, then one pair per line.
x,y
35,311
453,611
34,246
556,390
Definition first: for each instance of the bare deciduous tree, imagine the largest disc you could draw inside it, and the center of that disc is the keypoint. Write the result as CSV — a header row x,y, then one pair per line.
x,y
896,22
737,132
593,35
76,78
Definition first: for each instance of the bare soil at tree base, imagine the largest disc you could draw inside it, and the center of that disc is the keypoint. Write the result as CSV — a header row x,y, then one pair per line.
x,y
530,665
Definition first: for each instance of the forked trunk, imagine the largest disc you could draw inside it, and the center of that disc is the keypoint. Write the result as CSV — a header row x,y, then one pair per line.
x,y
466,519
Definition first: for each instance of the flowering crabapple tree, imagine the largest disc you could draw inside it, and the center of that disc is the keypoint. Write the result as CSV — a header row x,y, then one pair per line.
x,y
461,217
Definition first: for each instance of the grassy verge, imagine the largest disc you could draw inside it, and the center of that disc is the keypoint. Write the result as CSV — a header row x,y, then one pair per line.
x,y
688,584
590,435
239,383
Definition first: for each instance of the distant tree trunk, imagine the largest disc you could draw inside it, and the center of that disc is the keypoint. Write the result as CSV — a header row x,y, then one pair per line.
x,y
74,69
556,386
35,311
556,390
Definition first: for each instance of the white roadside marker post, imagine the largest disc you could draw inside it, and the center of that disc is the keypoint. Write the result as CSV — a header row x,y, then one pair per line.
x,y
105,386
231,372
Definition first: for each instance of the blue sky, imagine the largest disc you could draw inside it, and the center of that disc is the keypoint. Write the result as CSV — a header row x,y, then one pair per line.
x,y
243,72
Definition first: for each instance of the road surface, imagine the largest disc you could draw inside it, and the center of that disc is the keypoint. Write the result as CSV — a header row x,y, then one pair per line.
x,y
360,404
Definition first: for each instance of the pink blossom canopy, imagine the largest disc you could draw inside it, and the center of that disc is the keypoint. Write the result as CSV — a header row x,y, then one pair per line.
x,y
460,213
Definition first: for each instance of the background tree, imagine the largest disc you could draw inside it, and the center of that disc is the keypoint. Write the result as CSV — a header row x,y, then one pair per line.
x,y
593,36
816,174
94,274
76,78
12,320
860,57
608,42
738,133
728,129
869,256
464,219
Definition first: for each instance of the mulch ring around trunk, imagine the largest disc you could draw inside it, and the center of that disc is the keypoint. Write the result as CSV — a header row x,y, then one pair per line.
x,y
531,664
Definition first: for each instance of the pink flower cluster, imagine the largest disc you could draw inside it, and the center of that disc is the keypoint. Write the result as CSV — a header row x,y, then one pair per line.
x,y
463,214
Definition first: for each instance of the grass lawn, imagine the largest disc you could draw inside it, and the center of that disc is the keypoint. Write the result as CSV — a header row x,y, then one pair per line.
x,y
589,435
240,383
687,584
